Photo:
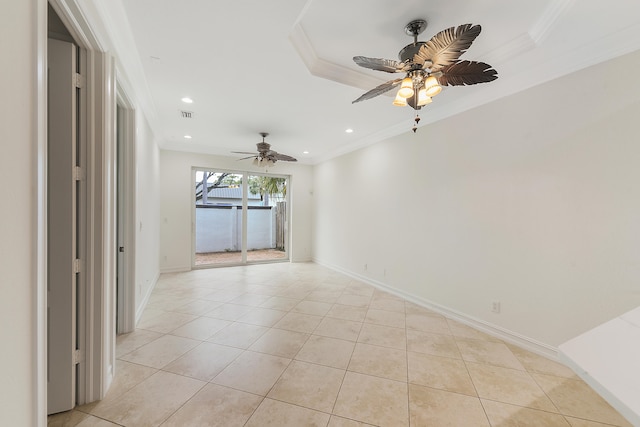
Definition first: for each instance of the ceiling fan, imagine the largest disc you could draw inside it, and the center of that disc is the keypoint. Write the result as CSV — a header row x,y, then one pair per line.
x,y
265,155
429,66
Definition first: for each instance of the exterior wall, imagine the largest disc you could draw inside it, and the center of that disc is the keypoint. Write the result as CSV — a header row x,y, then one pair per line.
x,y
531,200
220,229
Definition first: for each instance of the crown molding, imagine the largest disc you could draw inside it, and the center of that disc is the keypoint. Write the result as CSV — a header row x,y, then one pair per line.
x,y
549,19
325,69
113,34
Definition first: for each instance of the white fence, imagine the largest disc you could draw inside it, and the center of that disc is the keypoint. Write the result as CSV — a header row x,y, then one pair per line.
x,y
219,228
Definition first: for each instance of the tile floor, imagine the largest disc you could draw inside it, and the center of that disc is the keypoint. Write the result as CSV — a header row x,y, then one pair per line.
x,y
300,345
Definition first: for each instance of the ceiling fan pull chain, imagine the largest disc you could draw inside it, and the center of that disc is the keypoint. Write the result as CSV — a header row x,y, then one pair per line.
x,y
417,120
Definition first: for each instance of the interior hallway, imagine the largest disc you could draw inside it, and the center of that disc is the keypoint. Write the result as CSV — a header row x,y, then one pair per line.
x,y
297,344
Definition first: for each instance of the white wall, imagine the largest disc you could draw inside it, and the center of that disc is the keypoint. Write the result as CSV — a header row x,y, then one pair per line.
x,y
18,195
176,186
532,200
147,208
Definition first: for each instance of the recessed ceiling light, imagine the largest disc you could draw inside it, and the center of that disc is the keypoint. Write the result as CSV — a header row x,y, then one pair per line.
x,y
187,100
349,130
305,152
187,137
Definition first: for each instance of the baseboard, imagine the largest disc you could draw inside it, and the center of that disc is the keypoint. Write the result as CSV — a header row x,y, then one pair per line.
x,y
174,270
145,300
481,325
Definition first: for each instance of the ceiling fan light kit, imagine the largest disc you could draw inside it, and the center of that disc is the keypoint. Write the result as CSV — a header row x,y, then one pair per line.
x,y
429,66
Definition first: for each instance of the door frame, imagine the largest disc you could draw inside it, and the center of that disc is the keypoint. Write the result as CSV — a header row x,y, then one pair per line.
x,y
126,306
97,365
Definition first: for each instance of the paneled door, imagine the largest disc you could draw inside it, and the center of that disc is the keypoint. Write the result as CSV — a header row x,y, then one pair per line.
x,y
62,245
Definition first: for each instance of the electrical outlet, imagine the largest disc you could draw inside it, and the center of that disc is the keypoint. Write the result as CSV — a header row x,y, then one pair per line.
x,y
495,306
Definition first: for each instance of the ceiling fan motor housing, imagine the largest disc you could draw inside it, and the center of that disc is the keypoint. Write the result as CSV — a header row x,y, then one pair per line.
x,y
409,51
263,147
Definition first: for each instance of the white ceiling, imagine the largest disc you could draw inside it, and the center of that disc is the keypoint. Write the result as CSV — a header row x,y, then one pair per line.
x,y
285,66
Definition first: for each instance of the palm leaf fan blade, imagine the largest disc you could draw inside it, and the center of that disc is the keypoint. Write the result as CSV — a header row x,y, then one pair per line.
x,y
286,158
446,47
378,90
379,64
464,73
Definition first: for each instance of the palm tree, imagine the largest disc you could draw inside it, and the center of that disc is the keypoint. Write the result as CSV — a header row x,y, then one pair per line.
x,y
267,186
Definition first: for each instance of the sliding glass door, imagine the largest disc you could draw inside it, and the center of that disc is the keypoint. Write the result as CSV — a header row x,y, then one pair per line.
x,y
238,220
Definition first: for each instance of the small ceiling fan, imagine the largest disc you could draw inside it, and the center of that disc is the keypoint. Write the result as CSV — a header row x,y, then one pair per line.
x,y
429,66
265,155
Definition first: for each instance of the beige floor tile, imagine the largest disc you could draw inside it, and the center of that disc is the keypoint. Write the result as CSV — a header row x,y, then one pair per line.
x,y
440,372
166,322
262,316
433,344
373,400
240,335
575,398
201,328
253,372
91,421
149,313
280,303
359,288
388,304
577,422
309,385
299,322
439,408
348,312
66,419
216,406
338,328
204,362
385,318
505,415
428,323
461,330
508,386
128,375
344,422
298,294
161,352
354,300
126,343
229,311
168,302
316,308
328,296
412,308
279,342
272,413
541,365
379,361
151,402
492,353
384,336
224,295
326,351
253,300
198,307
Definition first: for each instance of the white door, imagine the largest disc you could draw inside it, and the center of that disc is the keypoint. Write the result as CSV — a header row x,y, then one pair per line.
x,y
62,268
121,277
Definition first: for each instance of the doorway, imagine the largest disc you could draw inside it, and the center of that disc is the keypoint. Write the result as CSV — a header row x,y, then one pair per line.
x,y
239,218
